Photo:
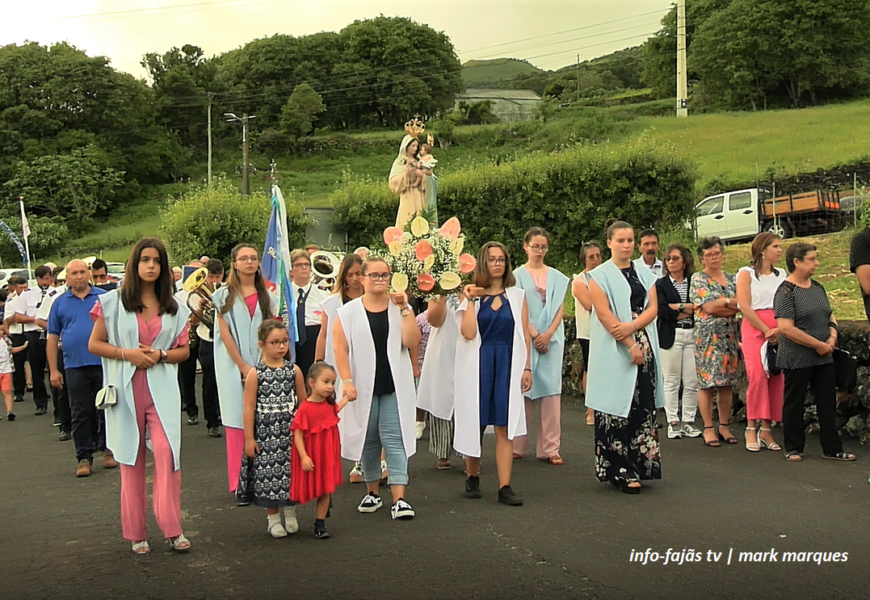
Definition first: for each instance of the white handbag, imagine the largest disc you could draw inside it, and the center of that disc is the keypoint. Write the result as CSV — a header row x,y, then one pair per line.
x,y
107,397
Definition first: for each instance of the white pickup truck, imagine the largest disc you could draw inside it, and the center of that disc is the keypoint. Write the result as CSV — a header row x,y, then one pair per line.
x,y
743,214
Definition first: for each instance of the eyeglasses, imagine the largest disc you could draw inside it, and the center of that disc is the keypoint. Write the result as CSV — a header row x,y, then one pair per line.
x,y
537,248
248,259
278,343
378,276
673,258
302,265
501,260
713,255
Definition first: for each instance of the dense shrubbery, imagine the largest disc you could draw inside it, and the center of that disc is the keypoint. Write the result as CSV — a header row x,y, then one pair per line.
x,y
212,223
571,194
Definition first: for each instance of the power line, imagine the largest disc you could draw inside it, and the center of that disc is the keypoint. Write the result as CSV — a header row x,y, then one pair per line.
x,y
156,11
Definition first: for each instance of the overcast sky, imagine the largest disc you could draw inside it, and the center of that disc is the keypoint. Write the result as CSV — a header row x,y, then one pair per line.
x,y
124,30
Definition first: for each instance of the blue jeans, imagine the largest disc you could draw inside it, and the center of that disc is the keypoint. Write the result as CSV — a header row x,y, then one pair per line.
x,y
385,431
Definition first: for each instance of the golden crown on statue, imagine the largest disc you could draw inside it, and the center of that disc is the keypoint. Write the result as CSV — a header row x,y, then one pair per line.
x,y
415,127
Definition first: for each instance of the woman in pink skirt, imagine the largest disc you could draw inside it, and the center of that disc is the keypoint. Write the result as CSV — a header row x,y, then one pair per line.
x,y
756,287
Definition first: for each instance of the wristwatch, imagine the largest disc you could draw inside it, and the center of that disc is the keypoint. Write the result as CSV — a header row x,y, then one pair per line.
x,y
682,306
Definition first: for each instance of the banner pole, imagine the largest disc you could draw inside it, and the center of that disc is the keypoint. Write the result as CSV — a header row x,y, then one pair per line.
x,y
25,229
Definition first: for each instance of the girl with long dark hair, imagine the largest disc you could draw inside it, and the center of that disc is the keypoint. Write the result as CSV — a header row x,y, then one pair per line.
x,y
140,331
240,307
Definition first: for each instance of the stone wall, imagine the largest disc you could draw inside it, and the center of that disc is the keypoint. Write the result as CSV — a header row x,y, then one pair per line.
x,y
853,410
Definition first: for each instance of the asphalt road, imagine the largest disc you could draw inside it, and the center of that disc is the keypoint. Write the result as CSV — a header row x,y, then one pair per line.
x,y
60,537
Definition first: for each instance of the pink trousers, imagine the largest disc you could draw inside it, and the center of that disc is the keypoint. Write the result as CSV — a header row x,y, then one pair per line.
x,y
235,449
549,427
167,481
764,395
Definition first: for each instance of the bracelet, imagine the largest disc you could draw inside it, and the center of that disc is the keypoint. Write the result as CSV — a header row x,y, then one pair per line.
x,y
529,370
346,381
636,344
123,352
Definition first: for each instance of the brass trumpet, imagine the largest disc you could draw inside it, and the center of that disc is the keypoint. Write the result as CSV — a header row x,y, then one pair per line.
x,y
324,267
200,290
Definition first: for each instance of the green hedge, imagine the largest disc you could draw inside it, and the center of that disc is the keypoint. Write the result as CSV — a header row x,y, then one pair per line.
x,y
571,194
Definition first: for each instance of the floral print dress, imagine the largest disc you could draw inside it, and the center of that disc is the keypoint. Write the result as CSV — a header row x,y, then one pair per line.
x,y
717,341
627,448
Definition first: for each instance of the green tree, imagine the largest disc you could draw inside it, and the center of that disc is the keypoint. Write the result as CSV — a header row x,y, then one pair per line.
x,y
802,50
47,236
301,110
213,222
69,186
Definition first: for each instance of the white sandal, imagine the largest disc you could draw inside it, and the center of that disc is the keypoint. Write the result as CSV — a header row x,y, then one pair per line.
x,y
179,543
141,548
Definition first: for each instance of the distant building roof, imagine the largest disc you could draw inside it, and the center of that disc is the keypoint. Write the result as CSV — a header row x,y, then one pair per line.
x,y
486,94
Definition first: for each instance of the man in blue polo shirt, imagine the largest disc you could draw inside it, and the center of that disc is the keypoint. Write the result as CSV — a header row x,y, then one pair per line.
x,y
70,319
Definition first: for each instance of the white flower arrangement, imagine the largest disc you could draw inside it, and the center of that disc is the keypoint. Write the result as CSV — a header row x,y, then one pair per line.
x,y
428,262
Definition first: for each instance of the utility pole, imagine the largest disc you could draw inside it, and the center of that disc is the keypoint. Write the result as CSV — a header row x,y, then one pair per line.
x,y
246,190
578,78
682,76
210,96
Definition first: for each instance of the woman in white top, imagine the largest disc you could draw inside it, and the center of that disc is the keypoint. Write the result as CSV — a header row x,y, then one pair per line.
x,y
591,253
756,287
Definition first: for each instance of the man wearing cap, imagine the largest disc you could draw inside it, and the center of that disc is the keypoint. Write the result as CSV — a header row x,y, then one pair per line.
x,y
26,306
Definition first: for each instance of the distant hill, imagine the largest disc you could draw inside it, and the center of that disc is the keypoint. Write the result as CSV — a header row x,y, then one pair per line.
x,y
489,73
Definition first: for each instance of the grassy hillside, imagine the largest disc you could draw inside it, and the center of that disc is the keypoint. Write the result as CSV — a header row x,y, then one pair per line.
x,y
726,146
488,73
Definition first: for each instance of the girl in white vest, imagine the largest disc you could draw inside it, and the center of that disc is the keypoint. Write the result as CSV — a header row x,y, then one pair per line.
x,y
240,307
435,392
372,336
492,368
545,289
140,331
625,379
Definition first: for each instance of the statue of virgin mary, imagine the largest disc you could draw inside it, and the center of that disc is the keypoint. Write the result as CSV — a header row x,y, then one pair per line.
x,y
408,181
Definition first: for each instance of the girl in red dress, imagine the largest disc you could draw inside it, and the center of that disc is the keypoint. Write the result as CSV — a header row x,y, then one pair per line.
x,y
316,462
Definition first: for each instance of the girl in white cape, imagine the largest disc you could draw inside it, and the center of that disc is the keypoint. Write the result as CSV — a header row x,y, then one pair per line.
x,y
372,337
492,368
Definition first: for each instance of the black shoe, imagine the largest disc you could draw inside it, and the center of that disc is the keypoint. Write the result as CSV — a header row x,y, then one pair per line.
x,y
40,411
214,432
56,424
19,397
194,420
320,532
64,436
472,488
622,486
506,496
10,416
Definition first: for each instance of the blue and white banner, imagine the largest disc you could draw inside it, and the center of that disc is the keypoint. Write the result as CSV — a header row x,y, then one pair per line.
x,y
276,264
15,241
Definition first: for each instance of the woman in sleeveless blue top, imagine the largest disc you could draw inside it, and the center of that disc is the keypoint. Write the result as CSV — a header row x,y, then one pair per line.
x,y
496,345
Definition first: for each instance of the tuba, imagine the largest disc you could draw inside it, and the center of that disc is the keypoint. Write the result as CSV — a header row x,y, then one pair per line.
x,y
197,287
324,268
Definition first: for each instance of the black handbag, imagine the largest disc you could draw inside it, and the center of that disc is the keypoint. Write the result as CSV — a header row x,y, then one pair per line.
x,y
247,479
846,366
772,369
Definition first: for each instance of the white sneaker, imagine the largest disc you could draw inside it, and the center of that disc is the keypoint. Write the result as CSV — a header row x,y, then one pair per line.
x,y
402,510
675,431
370,503
276,530
421,425
689,430
356,475
291,524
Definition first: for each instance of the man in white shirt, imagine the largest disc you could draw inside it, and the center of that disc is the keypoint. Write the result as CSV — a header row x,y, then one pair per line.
x,y
26,305
17,285
59,397
308,314
649,249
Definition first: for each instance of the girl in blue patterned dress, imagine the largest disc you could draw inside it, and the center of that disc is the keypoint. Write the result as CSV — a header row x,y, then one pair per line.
x,y
272,390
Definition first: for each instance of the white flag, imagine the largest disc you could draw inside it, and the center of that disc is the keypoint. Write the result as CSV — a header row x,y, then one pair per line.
x,y
25,226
